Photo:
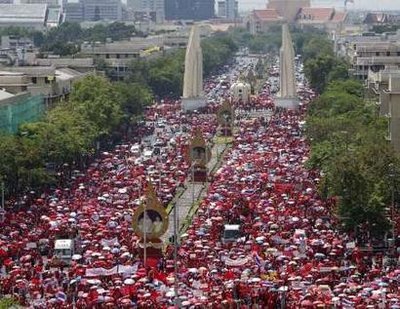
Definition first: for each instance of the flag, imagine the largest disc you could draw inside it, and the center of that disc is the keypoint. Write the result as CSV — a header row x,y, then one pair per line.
x,y
257,259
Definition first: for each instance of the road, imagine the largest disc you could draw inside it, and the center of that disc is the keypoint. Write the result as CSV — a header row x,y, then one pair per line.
x,y
192,194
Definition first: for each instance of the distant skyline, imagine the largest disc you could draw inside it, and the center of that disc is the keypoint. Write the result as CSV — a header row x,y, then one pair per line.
x,y
245,5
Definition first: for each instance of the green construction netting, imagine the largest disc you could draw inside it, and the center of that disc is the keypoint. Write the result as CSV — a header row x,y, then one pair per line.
x,y
24,109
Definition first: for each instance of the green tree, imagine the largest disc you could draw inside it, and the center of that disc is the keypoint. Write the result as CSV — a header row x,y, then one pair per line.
x,y
98,102
135,97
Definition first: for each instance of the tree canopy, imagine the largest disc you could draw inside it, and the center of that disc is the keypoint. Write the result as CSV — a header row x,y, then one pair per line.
x,y
348,145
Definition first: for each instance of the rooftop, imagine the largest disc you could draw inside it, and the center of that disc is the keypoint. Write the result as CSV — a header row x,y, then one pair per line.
x,y
5,95
316,14
25,12
67,74
39,71
268,14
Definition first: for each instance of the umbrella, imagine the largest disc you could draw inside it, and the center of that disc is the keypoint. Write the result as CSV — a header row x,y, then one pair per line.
x,y
76,257
129,281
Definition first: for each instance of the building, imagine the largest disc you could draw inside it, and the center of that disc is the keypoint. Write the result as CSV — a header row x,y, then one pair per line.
x,y
288,9
14,82
298,12
117,56
95,10
373,57
189,9
73,11
48,2
391,98
153,9
260,20
82,65
232,7
322,18
15,42
32,16
228,9
7,1
46,81
381,18
221,9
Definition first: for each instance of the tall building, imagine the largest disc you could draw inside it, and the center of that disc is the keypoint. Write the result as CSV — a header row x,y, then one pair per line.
x,y
288,9
189,9
227,9
94,10
221,9
7,1
153,8
231,9
73,10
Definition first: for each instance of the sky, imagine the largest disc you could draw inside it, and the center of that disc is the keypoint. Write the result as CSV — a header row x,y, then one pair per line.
x,y
358,4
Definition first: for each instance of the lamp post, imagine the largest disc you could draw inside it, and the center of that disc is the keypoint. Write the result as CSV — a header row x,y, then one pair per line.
x,y
145,235
176,243
2,210
392,174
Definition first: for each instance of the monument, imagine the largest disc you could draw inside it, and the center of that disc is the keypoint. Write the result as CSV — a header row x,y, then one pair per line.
x,y
241,90
287,96
198,155
225,118
193,96
149,222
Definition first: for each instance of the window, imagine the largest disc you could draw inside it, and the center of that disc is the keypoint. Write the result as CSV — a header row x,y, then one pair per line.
x,y
34,80
377,54
388,53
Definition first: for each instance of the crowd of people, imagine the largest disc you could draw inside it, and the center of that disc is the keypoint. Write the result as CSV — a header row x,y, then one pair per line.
x,y
289,253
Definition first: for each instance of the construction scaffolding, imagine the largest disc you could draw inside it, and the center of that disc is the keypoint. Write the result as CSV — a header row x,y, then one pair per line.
x,y
20,109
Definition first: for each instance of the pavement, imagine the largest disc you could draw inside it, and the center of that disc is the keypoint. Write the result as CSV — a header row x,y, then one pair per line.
x,y
192,194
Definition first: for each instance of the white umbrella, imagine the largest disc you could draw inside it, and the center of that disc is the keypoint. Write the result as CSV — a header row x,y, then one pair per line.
x,y
76,257
129,281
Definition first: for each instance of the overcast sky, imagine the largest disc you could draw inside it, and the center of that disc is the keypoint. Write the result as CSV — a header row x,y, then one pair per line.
x,y
358,4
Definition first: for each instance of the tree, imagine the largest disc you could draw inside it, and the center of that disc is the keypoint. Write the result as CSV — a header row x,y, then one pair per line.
x,y
135,97
348,145
317,46
98,102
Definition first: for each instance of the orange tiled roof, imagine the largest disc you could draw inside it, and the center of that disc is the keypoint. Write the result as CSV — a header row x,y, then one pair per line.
x,y
316,14
339,16
266,14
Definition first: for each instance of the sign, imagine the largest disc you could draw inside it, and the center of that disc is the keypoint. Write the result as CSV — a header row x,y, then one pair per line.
x,y
120,269
150,219
225,114
198,153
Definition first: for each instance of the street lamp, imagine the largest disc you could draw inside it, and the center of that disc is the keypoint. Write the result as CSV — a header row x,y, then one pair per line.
x,y
392,175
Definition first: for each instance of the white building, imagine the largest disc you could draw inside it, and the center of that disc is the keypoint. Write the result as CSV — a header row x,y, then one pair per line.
x,y
33,16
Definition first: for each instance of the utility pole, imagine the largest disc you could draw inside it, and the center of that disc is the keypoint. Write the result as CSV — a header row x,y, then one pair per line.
x,y
2,210
176,244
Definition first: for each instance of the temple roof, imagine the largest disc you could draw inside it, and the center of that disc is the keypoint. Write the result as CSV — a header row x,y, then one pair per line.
x,y
268,14
317,14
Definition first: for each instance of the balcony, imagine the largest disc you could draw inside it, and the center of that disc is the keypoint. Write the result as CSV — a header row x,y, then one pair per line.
x,y
369,61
